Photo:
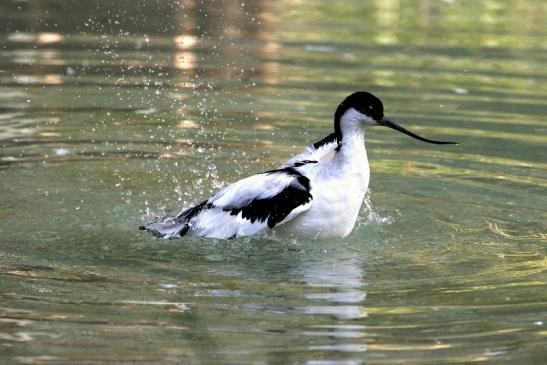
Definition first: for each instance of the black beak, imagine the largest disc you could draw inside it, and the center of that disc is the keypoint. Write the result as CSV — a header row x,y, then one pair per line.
x,y
386,122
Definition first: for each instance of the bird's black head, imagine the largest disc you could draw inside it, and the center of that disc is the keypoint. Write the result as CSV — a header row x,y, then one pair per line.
x,y
363,102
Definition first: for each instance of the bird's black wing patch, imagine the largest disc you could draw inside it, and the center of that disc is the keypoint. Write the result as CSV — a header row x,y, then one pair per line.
x,y
331,138
191,212
302,163
276,208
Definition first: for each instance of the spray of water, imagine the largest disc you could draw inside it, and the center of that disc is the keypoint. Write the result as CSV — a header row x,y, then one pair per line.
x,y
369,216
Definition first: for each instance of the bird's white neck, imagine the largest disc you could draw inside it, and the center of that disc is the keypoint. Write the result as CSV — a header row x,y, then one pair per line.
x,y
352,150
352,146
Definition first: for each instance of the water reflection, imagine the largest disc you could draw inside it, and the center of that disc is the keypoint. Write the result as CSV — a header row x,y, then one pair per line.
x,y
340,285
185,60
48,37
50,79
185,41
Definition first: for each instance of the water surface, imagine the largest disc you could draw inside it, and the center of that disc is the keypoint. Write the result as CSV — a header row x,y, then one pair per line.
x,y
113,113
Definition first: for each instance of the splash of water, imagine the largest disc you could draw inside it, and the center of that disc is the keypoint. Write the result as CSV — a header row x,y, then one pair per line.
x,y
370,216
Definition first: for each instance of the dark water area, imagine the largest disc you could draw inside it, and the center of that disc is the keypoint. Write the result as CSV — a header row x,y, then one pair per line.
x,y
115,112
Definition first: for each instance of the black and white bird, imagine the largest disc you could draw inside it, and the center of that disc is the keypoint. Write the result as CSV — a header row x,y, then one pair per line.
x,y
317,193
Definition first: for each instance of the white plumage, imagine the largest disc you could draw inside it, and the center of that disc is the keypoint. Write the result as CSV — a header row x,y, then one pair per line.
x,y
317,193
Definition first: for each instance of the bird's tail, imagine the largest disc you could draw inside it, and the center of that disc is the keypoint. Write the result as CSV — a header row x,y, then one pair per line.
x,y
175,226
169,228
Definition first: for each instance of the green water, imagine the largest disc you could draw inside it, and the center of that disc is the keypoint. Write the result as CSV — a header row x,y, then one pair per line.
x,y
112,113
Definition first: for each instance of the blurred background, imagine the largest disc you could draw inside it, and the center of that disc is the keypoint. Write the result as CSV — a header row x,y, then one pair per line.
x,y
113,113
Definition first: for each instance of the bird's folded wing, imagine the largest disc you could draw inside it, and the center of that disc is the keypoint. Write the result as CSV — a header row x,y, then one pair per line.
x,y
254,204
319,151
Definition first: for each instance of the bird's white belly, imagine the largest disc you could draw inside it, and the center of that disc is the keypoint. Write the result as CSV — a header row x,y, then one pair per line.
x,y
335,208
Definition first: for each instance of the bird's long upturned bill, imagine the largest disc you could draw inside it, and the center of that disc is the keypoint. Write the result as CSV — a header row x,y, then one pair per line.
x,y
391,124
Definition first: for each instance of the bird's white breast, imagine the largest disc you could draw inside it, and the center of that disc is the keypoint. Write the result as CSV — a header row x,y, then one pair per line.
x,y
338,190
